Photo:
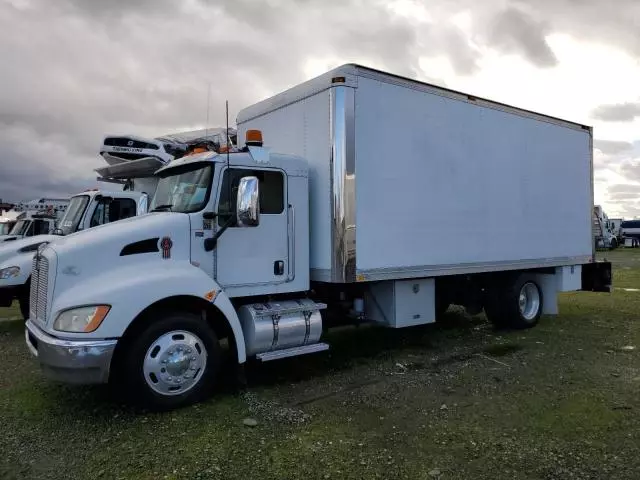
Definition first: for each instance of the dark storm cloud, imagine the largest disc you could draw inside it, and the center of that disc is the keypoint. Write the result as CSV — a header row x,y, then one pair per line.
x,y
614,23
91,67
515,31
621,112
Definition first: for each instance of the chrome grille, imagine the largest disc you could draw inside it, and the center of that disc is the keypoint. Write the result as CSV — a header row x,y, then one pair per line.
x,y
39,285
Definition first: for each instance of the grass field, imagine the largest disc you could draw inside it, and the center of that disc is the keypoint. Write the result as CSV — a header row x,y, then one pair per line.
x,y
450,401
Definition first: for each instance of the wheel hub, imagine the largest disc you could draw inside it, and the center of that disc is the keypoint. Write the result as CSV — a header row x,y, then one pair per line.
x,y
529,301
178,362
175,362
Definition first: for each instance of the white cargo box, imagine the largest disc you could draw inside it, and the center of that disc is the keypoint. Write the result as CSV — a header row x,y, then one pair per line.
x,y
411,180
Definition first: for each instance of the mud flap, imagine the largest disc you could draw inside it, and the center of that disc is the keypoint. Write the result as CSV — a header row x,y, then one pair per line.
x,y
597,277
7,294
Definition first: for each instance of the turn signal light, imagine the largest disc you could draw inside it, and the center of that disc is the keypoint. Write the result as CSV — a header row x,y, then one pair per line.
x,y
253,137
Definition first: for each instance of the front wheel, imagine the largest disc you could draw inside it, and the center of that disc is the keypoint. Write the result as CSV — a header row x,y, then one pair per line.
x,y
172,363
23,300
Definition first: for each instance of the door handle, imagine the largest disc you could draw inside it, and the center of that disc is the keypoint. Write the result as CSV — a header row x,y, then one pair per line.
x,y
278,267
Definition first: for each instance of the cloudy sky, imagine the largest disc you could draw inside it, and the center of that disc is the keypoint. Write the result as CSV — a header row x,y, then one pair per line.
x,y
73,70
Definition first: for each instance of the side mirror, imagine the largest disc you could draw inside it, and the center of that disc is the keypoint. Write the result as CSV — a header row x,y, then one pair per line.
x,y
248,202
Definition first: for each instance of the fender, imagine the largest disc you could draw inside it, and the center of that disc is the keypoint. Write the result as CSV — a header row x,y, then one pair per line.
x,y
22,260
131,289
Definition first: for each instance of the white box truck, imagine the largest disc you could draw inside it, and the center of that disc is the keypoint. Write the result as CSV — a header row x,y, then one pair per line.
x,y
266,249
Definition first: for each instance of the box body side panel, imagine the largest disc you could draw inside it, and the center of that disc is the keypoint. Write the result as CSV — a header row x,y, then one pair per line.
x,y
443,183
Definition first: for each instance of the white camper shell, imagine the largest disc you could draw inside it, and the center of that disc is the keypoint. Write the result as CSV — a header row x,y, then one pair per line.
x,y
345,224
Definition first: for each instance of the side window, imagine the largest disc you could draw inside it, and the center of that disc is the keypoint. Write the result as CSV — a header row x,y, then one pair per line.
x,y
29,232
40,227
117,209
271,191
121,208
98,215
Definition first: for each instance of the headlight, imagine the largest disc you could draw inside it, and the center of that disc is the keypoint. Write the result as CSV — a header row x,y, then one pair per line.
x,y
9,272
82,319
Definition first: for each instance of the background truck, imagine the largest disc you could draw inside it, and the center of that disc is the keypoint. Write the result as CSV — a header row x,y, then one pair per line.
x,y
631,232
7,221
615,225
604,235
85,210
38,217
267,249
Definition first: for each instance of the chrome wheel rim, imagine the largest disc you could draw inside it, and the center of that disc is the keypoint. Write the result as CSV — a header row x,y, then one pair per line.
x,y
175,363
529,301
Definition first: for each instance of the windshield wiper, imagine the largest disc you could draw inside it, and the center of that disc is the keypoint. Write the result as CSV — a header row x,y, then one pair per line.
x,y
163,207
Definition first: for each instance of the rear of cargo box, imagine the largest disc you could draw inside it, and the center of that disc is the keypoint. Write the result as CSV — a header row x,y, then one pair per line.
x,y
410,180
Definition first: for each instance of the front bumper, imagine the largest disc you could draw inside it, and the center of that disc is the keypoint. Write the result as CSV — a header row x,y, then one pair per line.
x,y
8,295
70,361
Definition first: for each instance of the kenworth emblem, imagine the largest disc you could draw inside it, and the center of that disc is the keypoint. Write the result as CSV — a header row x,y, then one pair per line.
x,y
165,245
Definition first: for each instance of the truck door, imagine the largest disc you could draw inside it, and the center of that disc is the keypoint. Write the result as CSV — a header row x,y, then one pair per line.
x,y
257,255
112,210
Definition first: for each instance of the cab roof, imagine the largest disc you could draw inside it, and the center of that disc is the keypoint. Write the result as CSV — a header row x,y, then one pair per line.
x,y
254,156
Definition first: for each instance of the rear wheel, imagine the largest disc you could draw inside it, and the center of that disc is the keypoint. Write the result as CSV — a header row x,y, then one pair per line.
x,y
172,363
516,304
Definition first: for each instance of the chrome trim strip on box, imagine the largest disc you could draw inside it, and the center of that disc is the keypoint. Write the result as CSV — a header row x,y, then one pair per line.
x,y
342,165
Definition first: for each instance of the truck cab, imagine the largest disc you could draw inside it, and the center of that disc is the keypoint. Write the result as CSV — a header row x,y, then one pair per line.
x,y
604,230
222,228
31,226
86,210
7,221
35,218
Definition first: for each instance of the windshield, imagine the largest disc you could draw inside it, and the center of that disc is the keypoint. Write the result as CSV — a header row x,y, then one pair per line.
x,y
21,227
5,228
71,219
184,191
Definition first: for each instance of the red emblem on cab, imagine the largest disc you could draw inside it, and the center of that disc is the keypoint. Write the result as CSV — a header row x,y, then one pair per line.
x,y
165,245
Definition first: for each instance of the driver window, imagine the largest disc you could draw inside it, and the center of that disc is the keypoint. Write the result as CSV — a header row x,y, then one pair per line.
x,y
40,227
271,191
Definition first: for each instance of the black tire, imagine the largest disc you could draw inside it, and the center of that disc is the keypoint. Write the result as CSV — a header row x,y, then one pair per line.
x,y
23,300
442,305
502,306
614,244
131,372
